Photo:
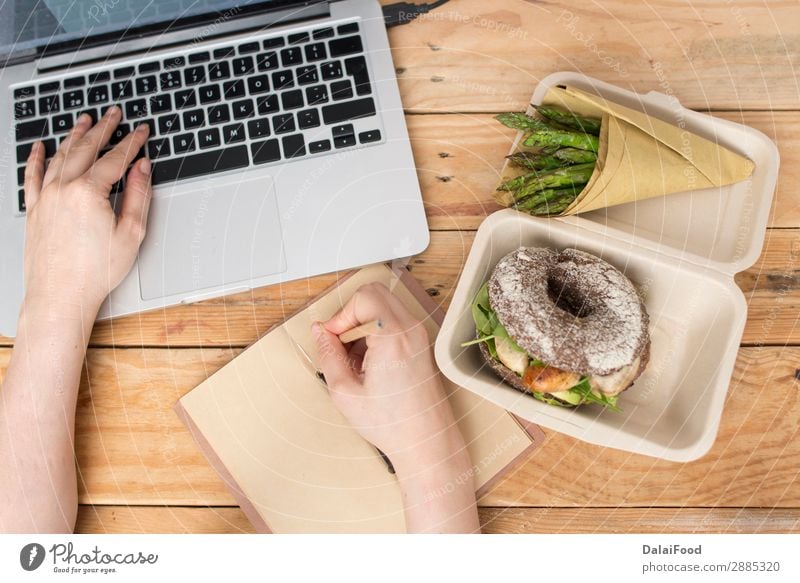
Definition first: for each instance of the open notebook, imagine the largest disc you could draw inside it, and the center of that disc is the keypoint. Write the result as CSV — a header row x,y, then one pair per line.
x,y
270,429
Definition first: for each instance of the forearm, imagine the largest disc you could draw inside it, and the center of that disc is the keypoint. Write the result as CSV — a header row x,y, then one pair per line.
x,y
437,486
38,489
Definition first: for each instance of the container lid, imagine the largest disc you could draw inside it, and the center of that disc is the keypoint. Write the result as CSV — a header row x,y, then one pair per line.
x,y
720,228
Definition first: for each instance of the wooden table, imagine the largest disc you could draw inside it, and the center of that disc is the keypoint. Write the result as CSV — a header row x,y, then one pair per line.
x,y
140,471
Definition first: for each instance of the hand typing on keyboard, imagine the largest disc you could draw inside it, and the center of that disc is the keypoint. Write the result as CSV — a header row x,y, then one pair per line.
x,y
77,250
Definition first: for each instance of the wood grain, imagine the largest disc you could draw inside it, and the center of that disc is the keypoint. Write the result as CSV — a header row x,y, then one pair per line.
x,y
132,449
231,520
771,286
474,56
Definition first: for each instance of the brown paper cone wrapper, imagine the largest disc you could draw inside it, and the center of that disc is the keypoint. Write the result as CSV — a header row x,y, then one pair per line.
x,y
640,157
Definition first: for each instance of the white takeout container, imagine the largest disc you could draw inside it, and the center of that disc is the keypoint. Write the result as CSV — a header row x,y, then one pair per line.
x,y
681,251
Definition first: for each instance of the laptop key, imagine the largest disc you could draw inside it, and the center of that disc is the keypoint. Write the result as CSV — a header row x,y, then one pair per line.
x,y
331,70
194,75
265,151
124,72
160,103
22,92
218,71
258,128
219,113
99,77
272,43
224,53
282,80
344,141
168,124
267,104
119,90
200,164
291,56
23,109
62,123
208,138
246,48
201,57
92,113
51,86
341,90
185,98
21,200
348,45
369,136
174,62
343,130
151,67
170,80
233,133
356,67
292,99
283,123
74,82
194,119
233,89
308,119
321,33
73,99
319,146
20,175
209,94
158,148
243,109
258,84
50,104
348,28
267,61
243,66
315,52
97,95
345,110
32,129
135,108
183,143
120,132
317,94
307,75
298,37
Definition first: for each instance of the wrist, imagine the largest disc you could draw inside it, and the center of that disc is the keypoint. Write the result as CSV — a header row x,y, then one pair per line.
x,y
443,453
56,311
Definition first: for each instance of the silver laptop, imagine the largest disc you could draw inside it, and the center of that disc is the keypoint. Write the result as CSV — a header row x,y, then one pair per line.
x,y
278,140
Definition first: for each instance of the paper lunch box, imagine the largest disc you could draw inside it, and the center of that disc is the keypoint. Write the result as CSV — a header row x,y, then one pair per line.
x,y
681,251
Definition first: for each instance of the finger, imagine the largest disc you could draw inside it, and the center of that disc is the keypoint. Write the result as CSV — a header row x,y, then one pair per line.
x,y
112,166
356,354
333,359
82,125
34,174
136,198
370,302
83,152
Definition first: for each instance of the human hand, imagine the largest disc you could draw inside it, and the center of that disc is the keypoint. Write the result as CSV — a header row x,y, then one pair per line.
x,y
76,249
389,387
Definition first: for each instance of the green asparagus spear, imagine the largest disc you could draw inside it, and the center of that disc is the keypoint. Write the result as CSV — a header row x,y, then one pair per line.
x,y
547,195
558,178
552,207
534,161
574,156
543,135
569,119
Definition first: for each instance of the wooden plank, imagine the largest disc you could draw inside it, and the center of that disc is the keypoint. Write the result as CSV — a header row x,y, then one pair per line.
x,y
132,449
476,56
231,520
772,288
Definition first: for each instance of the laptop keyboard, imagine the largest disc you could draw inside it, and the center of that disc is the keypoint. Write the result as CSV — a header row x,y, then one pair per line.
x,y
253,103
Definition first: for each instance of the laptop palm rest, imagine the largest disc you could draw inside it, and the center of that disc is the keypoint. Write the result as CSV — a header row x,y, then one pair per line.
x,y
209,235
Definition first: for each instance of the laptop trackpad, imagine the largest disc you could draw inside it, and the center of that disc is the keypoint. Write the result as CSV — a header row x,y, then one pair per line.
x,y
208,235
